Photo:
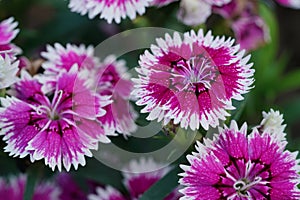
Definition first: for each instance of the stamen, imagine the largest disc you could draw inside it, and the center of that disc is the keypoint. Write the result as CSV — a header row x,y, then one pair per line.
x,y
57,101
42,110
248,168
256,181
238,185
242,186
51,112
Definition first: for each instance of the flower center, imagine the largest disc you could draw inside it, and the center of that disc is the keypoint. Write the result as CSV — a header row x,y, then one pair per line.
x,y
51,112
243,185
198,70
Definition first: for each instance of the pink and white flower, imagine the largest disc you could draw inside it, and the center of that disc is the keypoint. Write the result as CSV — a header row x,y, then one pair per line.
x,y
195,12
290,3
8,31
15,189
192,81
251,32
235,165
8,71
110,10
59,127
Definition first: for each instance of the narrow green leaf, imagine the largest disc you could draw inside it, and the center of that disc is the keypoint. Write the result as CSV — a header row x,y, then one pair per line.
x,y
239,109
32,177
163,187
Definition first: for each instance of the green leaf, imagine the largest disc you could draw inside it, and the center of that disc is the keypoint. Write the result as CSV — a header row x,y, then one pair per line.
x,y
163,187
32,177
240,106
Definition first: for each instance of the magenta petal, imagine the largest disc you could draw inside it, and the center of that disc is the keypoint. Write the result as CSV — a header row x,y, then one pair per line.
x,y
8,30
91,129
119,116
18,128
30,91
56,149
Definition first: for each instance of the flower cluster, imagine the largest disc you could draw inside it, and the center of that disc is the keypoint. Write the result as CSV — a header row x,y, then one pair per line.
x,y
235,165
62,114
192,81
76,101
136,181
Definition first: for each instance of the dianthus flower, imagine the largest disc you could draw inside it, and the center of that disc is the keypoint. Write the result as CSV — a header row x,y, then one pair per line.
x,y
59,127
110,10
192,81
235,165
